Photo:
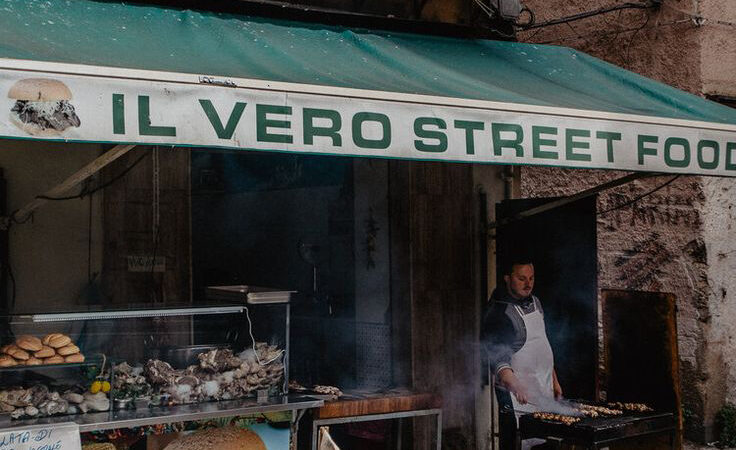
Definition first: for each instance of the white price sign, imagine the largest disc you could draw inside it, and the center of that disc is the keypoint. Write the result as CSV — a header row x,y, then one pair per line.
x,y
42,437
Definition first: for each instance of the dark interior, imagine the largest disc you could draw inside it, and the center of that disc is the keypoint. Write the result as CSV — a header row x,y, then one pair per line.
x,y
640,342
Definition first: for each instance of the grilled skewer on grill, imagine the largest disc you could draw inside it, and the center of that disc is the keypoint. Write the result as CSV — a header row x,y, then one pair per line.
x,y
567,420
601,410
637,407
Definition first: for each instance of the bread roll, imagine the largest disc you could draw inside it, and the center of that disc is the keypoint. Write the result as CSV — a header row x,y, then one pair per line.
x,y
56,359
29,343
56,340
67,350
7,361
75,358
45,352
39,90
227,438
32,361
17,353
4,348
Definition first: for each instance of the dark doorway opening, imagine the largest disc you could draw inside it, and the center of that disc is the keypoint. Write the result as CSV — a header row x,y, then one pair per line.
x,y
562,244
641,362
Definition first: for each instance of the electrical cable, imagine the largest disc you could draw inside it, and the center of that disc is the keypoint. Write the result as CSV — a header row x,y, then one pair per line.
x,y
489,10
156,288
587,14
617,32
253,343
698,19
639,197
627,52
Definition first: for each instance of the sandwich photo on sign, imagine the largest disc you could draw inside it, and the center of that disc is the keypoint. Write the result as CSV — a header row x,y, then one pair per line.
x,y
42,107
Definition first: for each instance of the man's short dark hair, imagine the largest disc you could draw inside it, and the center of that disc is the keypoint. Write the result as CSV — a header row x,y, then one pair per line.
x,y
508,268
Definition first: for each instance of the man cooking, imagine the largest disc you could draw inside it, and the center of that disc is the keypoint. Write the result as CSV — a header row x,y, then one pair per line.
x,y
519,354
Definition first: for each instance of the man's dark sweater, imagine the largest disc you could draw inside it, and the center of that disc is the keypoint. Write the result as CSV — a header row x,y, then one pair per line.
x,y
503,332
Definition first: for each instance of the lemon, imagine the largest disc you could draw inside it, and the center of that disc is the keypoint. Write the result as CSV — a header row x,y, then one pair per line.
x,y
95,387
105,386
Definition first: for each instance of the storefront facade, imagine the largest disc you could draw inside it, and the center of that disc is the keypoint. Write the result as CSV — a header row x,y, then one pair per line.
x,y
434,120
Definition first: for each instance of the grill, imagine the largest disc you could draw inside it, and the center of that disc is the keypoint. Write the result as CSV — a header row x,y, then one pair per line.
x,y
595,432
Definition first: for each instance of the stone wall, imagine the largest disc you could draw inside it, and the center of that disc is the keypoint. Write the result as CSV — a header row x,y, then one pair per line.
x,y
678,239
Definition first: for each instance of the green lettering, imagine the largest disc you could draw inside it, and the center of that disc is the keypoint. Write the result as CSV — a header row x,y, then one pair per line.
x,y
422,133
469,126
331,131
669,160
730,159
118,114
360,118
571,144
643,151
538,142
144,120
228,130
609,137
500,144
716,153
263,123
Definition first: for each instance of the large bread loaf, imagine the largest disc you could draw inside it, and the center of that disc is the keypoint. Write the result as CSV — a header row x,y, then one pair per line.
x,y
226,438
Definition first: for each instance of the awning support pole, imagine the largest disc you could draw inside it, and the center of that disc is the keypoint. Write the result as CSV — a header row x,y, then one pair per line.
x,y
573,198
82,174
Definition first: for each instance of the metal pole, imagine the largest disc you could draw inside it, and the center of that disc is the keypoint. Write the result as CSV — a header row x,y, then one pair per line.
x,y
315,434
439,430
400,434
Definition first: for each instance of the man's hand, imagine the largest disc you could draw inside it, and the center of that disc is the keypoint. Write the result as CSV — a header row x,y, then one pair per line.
x,y
556,388
510,382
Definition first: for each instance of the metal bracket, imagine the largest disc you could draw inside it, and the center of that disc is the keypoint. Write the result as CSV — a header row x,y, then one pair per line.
x,y
79,176
572,198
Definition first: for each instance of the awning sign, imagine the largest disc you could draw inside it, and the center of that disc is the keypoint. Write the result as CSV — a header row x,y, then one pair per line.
x,y
192,110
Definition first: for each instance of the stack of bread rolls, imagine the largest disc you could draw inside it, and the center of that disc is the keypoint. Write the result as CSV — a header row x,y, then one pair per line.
x,y
55,348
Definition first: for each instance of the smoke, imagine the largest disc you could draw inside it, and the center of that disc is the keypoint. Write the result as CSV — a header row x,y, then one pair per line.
x,y
550,405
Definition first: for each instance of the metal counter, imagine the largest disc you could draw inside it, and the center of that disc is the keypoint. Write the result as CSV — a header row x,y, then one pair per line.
x,y
111,420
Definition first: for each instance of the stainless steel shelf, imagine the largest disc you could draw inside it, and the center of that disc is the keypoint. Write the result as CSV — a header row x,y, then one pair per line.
x,y
182,413
131,314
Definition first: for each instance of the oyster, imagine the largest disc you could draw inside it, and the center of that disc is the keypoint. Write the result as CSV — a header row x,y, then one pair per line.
x,y
52,407
20,398
39,393
6,408
71,397
159,372
190,380
219,360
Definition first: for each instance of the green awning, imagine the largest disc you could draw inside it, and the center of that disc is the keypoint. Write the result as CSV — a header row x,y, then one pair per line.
x,y
407,96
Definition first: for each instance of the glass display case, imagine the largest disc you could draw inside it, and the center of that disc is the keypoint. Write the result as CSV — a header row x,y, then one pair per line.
x,y
107,367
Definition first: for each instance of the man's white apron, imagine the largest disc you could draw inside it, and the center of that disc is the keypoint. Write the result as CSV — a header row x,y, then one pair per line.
x,y
533,366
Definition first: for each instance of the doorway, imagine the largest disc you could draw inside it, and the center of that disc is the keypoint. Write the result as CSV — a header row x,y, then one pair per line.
x,y
562,243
